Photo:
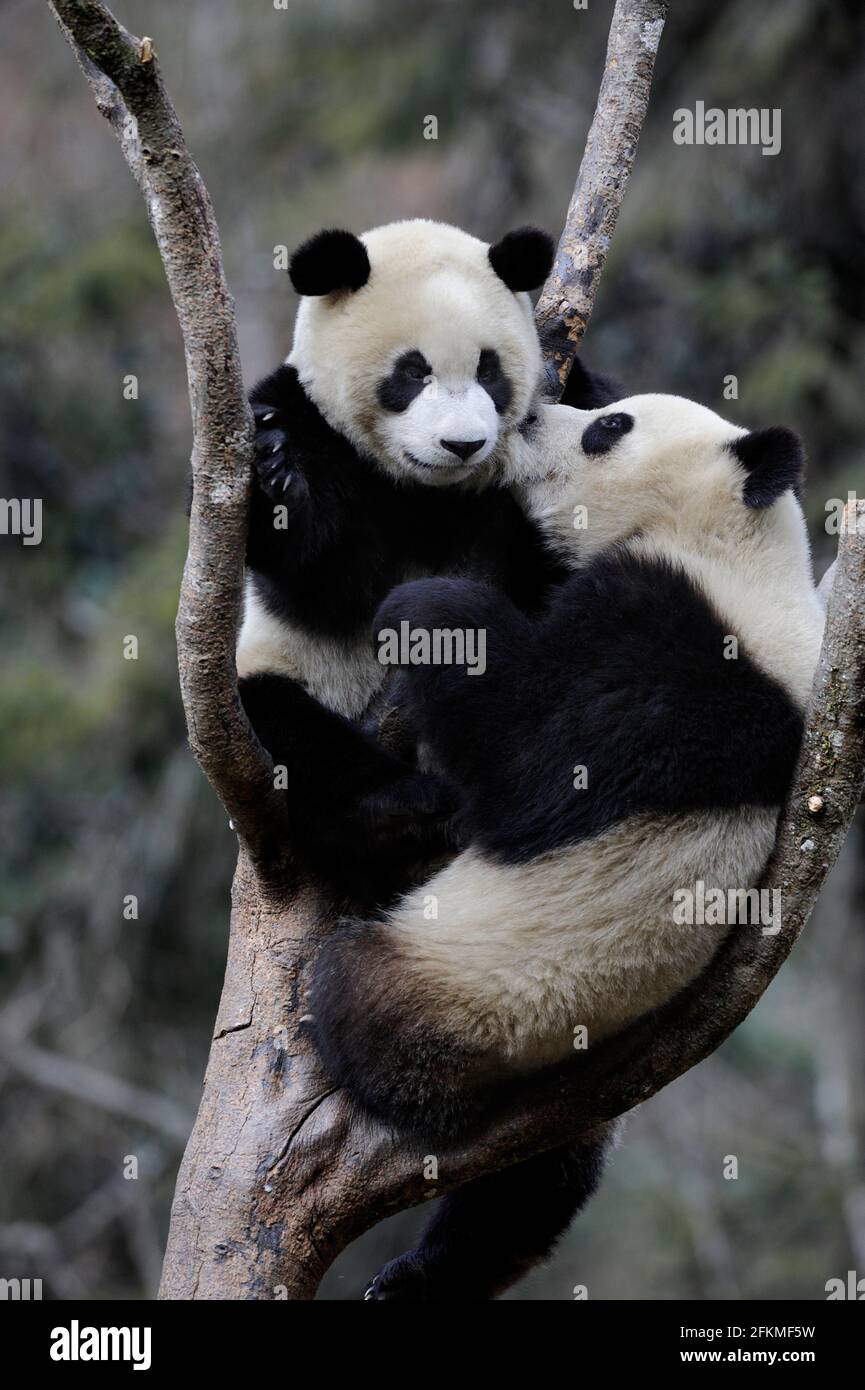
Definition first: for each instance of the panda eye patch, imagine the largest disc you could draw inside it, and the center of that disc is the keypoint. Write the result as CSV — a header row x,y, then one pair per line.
x,y
408,376
604,433
491,376
413,364
489,366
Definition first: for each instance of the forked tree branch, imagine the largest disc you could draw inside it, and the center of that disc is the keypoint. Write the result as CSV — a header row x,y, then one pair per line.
x,y
280,1171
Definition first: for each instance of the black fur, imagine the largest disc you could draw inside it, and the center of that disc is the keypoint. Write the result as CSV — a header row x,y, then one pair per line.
x,y
584,389
354,533
364,822
523,258
495,381
625,675
604,433
331,260
376,1034
489,1233
408,377
351,535
775,463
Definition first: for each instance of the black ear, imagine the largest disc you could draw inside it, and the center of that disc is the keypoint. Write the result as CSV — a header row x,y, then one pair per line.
x,y
523,259
329,261
587,390
774,461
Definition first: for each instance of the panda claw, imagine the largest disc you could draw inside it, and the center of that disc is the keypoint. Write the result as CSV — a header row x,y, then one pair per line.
x,y
407,1279
291,490
277,476
269,442
270,475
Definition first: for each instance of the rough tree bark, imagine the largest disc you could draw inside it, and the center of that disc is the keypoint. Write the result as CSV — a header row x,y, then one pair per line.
x,y
280,1173
565,304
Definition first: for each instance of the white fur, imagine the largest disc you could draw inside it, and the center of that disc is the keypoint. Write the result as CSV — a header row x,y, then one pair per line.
x,y
431,288
520,955
447,408
671,488
342,675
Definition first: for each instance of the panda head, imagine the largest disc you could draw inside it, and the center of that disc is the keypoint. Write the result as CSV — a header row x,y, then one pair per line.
x,y
664,472
417,342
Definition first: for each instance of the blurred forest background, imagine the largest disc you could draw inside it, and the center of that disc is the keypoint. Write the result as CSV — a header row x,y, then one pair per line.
x,y
725,261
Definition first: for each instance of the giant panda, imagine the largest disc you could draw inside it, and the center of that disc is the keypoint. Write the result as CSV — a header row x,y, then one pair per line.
x,y
673,668
385,445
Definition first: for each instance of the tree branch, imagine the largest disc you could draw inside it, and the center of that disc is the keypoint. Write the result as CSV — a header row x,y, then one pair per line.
x,y
280,1172
565,305
124,76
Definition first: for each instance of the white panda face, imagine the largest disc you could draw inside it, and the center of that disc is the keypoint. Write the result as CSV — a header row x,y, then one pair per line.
x,y
441,427
663,469
429,362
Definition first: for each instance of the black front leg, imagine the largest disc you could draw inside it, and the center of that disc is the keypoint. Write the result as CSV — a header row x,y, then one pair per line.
x,y
359,817
292,442
327,533
462,709
308,477
278,472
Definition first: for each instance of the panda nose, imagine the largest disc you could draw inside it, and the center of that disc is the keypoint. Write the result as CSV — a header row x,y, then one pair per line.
x,y
463,448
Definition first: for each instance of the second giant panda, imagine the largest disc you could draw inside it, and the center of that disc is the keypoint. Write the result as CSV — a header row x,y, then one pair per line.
x,y
673,669
382,447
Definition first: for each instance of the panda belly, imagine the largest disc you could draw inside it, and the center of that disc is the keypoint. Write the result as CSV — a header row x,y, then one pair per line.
x,y
519,956
341,673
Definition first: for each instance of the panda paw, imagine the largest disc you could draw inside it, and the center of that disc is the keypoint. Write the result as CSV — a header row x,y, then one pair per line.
x,y
407,1279
277,475
419,807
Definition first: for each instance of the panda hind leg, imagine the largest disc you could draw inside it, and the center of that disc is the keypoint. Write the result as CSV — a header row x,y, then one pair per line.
x,y
358,815
490,1233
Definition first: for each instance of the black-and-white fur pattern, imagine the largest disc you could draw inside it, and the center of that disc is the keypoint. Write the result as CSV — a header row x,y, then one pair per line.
x,y
674,667
384,448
